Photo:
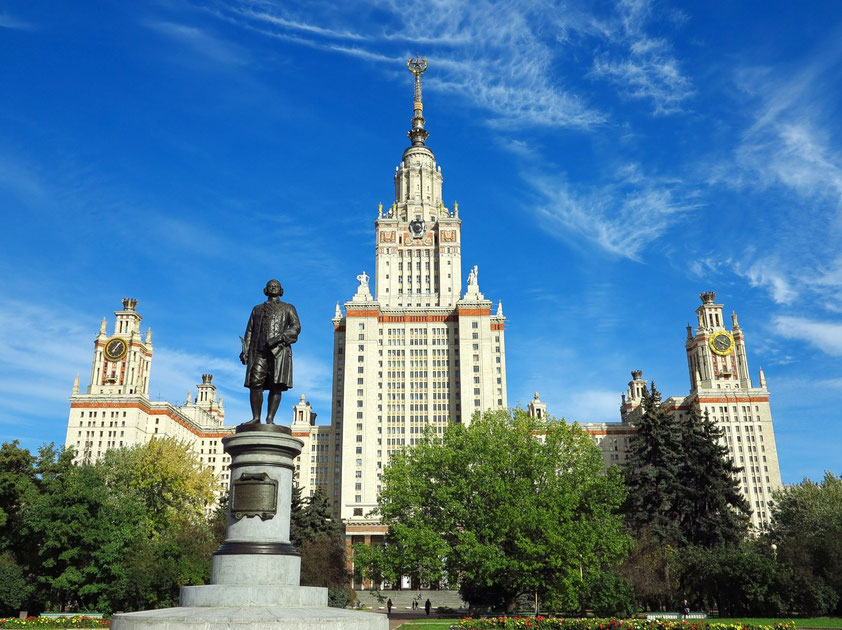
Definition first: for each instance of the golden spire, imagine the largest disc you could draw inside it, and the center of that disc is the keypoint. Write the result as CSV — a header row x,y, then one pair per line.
x,y
418,134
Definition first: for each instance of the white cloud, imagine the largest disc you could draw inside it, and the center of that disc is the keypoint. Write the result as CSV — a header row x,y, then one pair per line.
x,y
21,181
825,336
792,152
646,69
497,57
770,274
623,217
9,21
201,42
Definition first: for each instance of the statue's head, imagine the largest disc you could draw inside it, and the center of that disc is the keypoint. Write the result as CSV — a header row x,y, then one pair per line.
x,y
273,289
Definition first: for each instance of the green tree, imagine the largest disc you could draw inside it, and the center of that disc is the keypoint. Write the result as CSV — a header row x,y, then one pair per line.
x,y
311,518
807,528
165,476
713,511
123,533
161,496
647,569
71,523
502,510
653,474
319,539
15,586
17,480
747,580
683,488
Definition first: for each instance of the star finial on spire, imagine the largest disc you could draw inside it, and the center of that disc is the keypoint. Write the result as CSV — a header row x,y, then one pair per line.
x,y
418,134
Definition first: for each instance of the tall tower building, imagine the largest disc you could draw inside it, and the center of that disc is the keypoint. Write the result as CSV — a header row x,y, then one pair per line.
x,y
114,410
417,352
720,386
121,362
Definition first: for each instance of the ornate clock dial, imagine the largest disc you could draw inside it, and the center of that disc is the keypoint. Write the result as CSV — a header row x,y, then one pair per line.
x,y
115,349
721,343
417,227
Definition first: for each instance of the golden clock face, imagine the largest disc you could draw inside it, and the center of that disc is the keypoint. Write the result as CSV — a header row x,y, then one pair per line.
x,y
721,342
115,349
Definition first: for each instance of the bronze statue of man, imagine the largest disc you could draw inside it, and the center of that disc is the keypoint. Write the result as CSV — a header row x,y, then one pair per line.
x,y
273,327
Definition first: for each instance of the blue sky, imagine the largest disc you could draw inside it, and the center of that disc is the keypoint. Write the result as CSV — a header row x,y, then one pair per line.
x,y
610,160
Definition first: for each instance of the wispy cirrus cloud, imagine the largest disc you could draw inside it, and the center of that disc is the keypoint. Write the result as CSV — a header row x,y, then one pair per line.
x,y
623,217
771,274
499,58
10,21
644,67
787,158
505,61
822,335
201,42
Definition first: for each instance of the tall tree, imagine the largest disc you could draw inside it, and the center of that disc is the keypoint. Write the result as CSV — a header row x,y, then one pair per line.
x,y
17,480
310,518
71,523
713,511
807,528
683,488
123,533
508,505
318,537
165,475
653,474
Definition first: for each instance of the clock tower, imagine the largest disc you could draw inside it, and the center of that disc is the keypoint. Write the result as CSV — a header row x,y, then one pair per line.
x,y
720,386
716,356
122,360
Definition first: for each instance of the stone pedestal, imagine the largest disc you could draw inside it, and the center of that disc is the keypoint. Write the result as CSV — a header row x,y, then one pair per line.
x,y
255,573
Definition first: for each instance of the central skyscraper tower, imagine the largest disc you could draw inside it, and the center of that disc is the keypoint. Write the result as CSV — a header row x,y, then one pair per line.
x,y
415,352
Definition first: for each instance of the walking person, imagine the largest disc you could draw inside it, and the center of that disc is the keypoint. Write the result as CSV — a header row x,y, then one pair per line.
x,y
427,606
389,607
686,610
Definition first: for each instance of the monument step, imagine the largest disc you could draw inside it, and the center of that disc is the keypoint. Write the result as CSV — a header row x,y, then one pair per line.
x,y
216,595
250,617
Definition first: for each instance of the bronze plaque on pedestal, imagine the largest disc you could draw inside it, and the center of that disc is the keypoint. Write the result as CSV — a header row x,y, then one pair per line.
x,y
254,495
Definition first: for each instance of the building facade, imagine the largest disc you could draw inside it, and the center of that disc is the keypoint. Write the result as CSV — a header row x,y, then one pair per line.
x,y
115,410
317,468
720,386
411,350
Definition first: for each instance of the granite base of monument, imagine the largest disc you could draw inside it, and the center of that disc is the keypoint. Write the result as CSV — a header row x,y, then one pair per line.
x,y
255,574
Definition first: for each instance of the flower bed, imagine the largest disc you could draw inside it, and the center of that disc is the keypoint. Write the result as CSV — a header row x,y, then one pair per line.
x,y
55,622
556,623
